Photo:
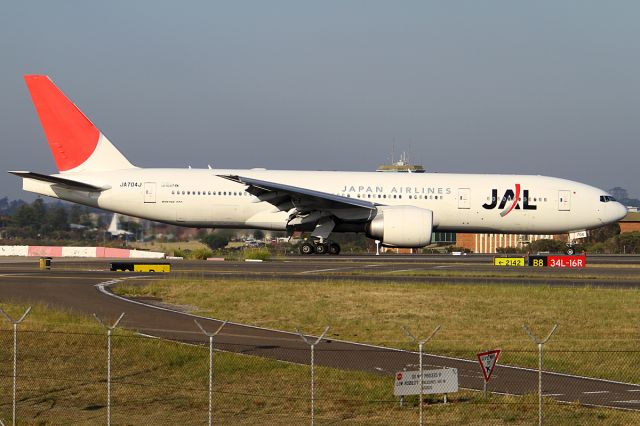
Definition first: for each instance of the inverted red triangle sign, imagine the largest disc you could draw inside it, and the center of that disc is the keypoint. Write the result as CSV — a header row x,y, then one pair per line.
x,y
487,362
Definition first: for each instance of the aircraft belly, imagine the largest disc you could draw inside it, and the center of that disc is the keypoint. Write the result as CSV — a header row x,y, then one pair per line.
x,y
268,219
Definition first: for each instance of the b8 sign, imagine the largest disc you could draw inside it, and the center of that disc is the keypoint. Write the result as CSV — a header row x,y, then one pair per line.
x,y
538,261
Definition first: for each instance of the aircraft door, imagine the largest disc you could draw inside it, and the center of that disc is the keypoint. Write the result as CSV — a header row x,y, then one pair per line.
x,y
149,192
564,200
463,198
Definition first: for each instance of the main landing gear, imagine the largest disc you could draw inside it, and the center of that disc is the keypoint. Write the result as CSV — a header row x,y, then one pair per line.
x,y
318,247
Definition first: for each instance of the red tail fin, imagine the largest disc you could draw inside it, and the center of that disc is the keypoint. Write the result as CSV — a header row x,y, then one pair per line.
x,y
72,137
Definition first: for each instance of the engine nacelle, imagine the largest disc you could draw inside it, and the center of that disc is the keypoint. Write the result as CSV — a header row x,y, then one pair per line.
x,y
402,226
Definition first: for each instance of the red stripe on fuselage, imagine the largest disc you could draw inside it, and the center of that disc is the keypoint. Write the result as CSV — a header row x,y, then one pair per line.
x,y
515,201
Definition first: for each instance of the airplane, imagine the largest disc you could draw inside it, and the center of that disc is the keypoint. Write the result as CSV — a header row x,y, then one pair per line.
x,y
114,228
398,209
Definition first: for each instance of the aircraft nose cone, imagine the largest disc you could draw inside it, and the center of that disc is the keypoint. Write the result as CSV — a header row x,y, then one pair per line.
x,y
619,211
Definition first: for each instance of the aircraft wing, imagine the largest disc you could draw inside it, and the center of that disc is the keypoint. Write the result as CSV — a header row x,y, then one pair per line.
x,y
280,194
68,183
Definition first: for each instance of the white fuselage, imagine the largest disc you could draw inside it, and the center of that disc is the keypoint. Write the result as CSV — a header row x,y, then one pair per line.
x,y
460,202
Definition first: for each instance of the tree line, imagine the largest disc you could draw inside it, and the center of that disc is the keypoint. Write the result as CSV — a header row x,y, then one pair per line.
x,y
47,221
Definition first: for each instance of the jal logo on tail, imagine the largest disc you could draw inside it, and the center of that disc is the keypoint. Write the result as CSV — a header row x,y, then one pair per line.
x,y
510,196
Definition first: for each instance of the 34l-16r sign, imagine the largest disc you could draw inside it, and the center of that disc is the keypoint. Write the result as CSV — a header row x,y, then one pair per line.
x,y
553,261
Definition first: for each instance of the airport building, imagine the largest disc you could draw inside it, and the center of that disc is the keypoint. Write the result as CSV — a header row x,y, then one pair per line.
x,y
490,243
631,222
400,166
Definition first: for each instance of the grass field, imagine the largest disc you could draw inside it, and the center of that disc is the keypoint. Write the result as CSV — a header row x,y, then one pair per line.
x,y
594,323
62,380
410,270
167,247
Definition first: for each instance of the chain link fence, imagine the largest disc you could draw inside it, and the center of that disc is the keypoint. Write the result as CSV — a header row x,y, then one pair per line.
x,y
62,379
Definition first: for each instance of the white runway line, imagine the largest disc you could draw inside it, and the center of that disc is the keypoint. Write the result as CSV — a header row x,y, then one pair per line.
x,y
325,270
337,269
594,392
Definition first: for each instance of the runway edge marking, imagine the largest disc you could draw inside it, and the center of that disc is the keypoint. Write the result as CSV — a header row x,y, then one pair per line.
x,y
103,287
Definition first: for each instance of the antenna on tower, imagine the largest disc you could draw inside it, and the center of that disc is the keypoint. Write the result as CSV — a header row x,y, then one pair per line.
x,y
393,151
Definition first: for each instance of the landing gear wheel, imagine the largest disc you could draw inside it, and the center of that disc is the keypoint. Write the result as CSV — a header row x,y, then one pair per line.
x,y
334,248
571,250
307,248
322,248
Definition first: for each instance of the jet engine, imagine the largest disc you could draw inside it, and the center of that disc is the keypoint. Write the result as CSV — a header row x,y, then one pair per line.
x,y
402,226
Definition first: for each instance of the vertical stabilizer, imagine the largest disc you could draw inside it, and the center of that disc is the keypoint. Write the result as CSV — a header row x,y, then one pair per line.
x,y
76,143
113,226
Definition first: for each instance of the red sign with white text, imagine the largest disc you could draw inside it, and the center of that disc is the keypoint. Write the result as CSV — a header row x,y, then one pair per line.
x,y
566,261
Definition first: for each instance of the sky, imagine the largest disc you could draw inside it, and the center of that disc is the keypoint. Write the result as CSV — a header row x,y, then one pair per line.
x,y
544,87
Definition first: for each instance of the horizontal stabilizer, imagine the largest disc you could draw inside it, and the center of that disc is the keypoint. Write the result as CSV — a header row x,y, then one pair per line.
x,y
69,183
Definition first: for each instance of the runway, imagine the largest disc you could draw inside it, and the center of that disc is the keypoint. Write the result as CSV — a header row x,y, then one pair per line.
x,y
83,286
602,271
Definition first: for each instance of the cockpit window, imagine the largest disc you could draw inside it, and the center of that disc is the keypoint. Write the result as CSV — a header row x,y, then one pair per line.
x,y
606,198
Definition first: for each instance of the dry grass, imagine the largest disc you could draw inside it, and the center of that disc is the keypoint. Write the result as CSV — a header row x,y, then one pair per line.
x,y
169,247
62,371
473,317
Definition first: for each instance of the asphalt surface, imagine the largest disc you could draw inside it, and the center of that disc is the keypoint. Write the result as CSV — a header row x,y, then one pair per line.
x,y
603,271
83,286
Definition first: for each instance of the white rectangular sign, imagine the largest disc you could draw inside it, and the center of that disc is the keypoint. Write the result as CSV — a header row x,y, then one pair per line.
x,y
444,380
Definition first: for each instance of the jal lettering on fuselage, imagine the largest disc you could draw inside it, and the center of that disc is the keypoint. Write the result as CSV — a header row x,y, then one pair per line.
x,y
510,195
364,189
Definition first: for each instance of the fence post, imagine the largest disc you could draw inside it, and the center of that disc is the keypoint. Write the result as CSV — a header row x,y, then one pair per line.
x,y
540,344
15,354
313,383
210,336
109,332
421,344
